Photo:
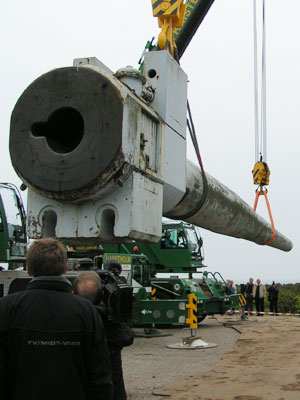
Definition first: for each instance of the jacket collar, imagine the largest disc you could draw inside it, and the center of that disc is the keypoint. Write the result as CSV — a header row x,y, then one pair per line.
x,y
50,283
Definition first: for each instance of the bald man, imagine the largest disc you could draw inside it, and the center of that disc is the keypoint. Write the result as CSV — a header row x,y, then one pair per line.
x,y
118,334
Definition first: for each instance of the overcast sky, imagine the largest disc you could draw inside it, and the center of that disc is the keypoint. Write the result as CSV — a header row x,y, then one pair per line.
x,y
37,36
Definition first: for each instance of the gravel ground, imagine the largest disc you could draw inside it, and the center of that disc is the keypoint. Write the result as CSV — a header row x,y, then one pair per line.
x,y
149,365
264,365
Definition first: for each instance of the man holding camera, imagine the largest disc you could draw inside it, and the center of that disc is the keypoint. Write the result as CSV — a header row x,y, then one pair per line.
x,y
52,343
118,334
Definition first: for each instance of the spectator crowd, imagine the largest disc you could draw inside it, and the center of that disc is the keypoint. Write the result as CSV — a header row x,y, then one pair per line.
x,y
255,294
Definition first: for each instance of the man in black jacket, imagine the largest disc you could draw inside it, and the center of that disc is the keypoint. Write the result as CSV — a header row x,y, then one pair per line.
x,y
118,334
249,295
273,298
52,344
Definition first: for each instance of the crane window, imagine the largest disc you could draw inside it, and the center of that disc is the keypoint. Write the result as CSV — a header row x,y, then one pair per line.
x,y
193,241
12,212
173,238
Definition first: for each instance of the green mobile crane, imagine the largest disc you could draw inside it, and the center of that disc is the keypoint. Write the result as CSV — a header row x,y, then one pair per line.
x,y
165,287
165,274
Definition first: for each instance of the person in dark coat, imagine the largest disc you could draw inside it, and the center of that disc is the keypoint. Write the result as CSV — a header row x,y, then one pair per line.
x,y
249,295
118,334
52,343
273,297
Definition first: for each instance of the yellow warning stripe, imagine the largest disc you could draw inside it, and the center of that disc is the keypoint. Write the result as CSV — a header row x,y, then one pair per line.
x,y
153,294
172,9
192,311
242,300
156,3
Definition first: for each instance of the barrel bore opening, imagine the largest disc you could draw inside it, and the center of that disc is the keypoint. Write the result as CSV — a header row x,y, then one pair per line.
x,y
49,224
63,131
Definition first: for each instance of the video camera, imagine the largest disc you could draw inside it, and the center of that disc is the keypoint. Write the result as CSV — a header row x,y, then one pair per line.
x,y
117,295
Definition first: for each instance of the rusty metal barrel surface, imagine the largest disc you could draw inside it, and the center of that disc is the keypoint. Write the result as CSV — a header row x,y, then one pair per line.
x,y
66,132
224,212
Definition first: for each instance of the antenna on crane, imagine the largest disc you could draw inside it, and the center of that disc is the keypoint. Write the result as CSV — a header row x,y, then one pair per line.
x,y
261,171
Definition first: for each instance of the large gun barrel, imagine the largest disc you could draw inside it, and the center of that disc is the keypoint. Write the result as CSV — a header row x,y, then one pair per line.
x,y
103,163
224,212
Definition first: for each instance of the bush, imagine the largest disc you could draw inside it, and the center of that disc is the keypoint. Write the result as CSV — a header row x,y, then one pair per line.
x,y
288,302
